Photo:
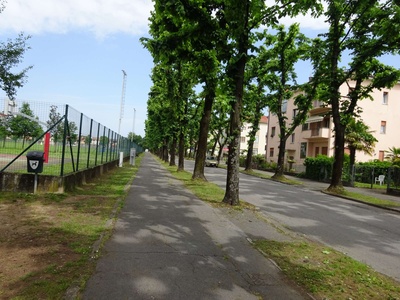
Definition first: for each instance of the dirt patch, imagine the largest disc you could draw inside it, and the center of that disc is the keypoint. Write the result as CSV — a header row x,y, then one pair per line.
x,y
41,241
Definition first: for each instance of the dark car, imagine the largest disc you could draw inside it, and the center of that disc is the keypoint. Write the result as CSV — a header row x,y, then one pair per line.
x,y
211,161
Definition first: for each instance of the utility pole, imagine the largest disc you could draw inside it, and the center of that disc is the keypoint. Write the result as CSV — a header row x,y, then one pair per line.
x,y
134,117
121,114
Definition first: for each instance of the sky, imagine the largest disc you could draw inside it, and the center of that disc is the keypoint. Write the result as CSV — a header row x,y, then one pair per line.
x,y
78,50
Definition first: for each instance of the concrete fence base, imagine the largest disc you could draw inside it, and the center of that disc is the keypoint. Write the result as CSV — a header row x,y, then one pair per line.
x,y
24,183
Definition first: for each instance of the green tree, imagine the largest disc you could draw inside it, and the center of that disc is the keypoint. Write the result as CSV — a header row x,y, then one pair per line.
x,y
255,101
393,155
23,124
159,112
58,130
88,140
72,132
283,50
135,138
358,137
219,125
104,140
4,128
242,19
11,55
185,31
366,30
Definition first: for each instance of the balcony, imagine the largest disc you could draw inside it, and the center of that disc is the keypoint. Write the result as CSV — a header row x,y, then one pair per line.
x,y
317,133
319,108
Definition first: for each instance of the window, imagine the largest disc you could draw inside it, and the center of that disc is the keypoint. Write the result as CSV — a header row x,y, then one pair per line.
x,y
317,103
292,138
385,99
272,131
381,155
383,127
304,127
326,123
294,113
284,106
303,150
271,152
243,139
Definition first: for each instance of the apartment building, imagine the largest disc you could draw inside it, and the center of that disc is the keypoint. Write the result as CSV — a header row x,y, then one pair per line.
x,y
316,136
260,142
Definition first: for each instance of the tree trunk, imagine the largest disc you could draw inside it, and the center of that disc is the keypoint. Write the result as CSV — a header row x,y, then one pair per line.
x,y
181,151
252,135
165,151
337,170
198,172
172,152
215,144
232,179
221,148
281,159
249,157
335,36
352,156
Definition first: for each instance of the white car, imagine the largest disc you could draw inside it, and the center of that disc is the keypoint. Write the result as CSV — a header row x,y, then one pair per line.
x,y
211,161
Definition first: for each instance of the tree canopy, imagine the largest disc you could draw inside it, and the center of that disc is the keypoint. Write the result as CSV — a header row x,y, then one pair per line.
x,y
218,62
11,55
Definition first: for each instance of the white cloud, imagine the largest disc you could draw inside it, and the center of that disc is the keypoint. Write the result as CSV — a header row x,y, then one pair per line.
x,y
102,17
306,22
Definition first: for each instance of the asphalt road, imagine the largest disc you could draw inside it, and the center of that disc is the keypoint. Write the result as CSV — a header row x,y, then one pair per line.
x,y
368,234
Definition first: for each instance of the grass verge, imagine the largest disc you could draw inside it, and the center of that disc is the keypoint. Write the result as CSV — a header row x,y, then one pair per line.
x,y
204,190
328,274
47,239
371,200
323,272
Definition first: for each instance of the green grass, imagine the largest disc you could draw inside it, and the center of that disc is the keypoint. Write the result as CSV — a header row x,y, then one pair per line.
x,y
204,190
266,176
81,219
371,200
368,185
55,154
327,273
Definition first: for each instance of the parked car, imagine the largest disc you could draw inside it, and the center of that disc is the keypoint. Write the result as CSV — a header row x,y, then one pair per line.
x,y
211,161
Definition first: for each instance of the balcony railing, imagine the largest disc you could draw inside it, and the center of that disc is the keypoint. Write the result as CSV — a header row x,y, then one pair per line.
x,y
317,133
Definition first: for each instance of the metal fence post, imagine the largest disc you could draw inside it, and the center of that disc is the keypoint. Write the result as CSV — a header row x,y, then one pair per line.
x,y
90,144
79,143
64,141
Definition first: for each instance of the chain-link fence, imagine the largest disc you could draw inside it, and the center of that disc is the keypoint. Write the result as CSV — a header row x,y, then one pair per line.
x,y
69,140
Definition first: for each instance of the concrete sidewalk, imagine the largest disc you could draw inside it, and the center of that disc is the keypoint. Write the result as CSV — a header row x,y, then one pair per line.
x,y
167,244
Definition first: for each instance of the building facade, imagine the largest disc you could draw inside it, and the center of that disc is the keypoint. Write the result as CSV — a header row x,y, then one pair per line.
x,y
316,136
261,135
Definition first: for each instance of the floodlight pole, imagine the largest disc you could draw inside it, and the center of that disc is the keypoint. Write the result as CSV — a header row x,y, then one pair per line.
x,y
121,114
134,117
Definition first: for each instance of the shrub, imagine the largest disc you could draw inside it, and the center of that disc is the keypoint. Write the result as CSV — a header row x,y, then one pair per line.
x,y
365,172
318,168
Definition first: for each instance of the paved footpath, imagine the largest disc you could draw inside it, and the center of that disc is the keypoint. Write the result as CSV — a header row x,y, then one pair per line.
x,y
167,244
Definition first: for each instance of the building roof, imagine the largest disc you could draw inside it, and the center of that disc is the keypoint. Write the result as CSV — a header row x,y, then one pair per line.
x,y
264,119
